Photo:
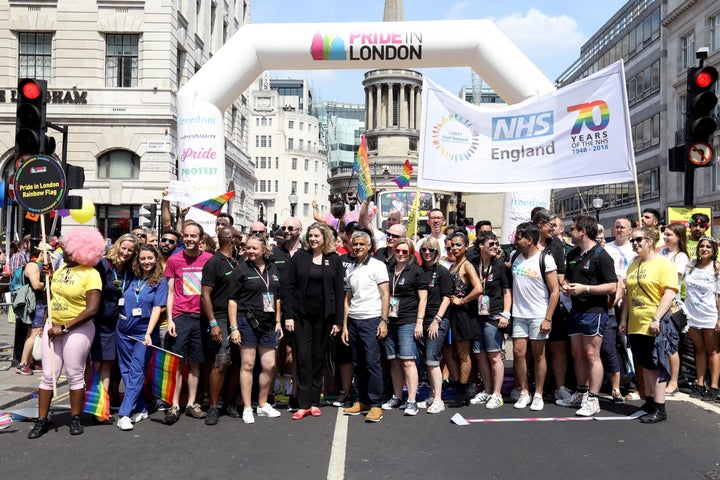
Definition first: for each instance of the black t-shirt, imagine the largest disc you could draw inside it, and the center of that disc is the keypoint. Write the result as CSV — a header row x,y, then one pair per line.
x,y
556,249
216,274
494,278
383,254
347,260
405,288
248,285
591,268
439,285
281,258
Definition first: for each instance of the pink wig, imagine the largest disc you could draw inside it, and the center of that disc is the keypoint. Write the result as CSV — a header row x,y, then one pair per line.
x,y
84,245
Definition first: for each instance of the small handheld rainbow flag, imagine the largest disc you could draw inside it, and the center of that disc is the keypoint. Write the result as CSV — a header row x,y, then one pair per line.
x,y
162,372
404,179
214,205
97,400
362,167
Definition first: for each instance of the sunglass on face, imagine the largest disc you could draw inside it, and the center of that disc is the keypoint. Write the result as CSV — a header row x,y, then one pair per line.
x,y
493,244
637,239
392,235
402,252
140,235
428,250
257,232
289,228
168,240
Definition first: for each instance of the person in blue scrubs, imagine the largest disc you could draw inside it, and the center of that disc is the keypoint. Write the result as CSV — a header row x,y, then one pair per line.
x,y
144,302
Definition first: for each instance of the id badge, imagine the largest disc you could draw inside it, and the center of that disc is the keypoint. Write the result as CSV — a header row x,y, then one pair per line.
x,y
484,305
137,312
268,302
121,302
394,307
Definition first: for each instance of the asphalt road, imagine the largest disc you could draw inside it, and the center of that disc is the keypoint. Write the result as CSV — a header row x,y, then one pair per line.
x,y
687,446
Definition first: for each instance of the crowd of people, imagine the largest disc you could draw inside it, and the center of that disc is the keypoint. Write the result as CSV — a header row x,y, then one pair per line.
x,y
239,306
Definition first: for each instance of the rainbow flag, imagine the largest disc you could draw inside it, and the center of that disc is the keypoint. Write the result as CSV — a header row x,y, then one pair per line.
x,y
404,179
362,167
214,205
162,373
97,400
413,215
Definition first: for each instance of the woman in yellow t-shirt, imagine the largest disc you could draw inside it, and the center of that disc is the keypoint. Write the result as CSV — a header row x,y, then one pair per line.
x,y
75,289
651,286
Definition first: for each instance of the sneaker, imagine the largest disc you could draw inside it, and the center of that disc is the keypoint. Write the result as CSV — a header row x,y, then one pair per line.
x,y
172,416
495,401
194,411
590,406
212,416
374,415
293,404
537,403
161,406
411,409
698,391
523,401
480,398
632,396
562,393
138,417
710,395
247,416
267,410
341,399
515,394
425,403
231,411
436,406
41,427
472,390
357,409
125,424
76,428
23,369
617,397
575,400
394,402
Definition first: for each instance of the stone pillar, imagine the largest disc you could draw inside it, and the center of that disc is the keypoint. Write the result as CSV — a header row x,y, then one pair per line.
x,y
403,105
369,114
412,122
390,104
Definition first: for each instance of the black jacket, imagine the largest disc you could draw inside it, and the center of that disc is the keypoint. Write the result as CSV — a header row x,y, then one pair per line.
x,y
333,285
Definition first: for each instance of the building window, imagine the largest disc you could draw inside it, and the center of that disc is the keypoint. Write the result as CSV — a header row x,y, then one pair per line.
x,y
291,144
306,209
263,162
316,189
714,27
294,164
121,60
291,124
293,187
114,221
307,165
301,144
119,164
316,166
277,186
35,59
306,188
302,125
277,163
686,53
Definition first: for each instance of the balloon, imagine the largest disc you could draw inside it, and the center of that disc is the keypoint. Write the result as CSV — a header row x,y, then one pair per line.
x,y
84,214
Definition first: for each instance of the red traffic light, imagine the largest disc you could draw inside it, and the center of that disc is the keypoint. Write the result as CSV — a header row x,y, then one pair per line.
x,y
705,77
30,90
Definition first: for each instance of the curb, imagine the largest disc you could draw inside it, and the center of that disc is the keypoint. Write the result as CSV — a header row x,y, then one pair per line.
x,y
25,397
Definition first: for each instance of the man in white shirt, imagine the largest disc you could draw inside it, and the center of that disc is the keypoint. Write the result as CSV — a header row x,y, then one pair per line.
x,y
436,221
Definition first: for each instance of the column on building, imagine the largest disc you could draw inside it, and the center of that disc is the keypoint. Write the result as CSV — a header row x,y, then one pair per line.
x,y
403,121
411,101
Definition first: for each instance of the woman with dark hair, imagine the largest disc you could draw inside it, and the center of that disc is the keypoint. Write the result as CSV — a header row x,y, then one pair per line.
x,y
651,289
75,300
315,312
702,302
144,302
463,318
254,322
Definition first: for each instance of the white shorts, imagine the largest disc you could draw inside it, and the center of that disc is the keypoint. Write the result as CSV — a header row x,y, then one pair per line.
x,y
528,328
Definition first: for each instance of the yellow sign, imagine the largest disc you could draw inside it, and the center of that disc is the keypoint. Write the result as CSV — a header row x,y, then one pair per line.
x,y
683,215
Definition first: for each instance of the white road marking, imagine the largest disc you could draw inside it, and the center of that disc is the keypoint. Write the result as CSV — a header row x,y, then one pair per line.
x,y
336,467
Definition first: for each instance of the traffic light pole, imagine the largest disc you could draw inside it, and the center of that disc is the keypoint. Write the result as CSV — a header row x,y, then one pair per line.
x,y
689,198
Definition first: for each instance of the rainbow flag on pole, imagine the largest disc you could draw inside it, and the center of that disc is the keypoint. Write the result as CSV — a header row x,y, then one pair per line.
x,y
215,205
162,372
97,399
404,179
362,167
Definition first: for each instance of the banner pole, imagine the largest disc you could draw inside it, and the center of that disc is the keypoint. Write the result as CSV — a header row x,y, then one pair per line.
x,y
49,305
637,200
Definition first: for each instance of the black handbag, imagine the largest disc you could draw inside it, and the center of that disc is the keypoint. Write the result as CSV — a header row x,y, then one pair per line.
x,y
678,317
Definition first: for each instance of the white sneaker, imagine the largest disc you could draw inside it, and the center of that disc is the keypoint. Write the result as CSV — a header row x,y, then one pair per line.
x,y
590,406
495,401
425,403
575,400
394,402
523,401
437,406
562,393
247,416
124,423
480,398
515,394
267,410
138,417
537,403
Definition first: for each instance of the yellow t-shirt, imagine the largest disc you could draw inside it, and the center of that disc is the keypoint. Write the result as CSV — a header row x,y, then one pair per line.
x,y
655,276
69,288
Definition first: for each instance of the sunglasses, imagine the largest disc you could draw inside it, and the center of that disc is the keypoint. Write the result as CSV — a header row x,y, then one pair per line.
x,y
428,250
168,240
289,228
493,244
637,239
140,235
257,232
392,235
402,252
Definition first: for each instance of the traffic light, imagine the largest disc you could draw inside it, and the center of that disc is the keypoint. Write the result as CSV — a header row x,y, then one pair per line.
x,y
75,177
460,214
148,215
30,120
699,121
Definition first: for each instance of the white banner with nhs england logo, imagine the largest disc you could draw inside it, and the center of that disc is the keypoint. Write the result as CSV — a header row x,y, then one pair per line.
x,y
578,135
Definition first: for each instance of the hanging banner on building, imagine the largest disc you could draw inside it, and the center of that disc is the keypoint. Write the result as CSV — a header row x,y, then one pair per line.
x,y
578,135
517,208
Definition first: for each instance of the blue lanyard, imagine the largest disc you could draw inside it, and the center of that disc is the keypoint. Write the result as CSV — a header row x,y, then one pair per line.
x,y
122,288
138,288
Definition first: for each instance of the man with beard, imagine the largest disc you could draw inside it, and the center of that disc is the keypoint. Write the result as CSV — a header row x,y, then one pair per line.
x,y
168,244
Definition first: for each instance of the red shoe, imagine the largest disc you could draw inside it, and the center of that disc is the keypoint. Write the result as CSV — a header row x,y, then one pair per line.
x,y
300,414
315,411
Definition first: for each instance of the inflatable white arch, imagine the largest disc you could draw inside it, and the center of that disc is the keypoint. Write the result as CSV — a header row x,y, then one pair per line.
x,y
255,48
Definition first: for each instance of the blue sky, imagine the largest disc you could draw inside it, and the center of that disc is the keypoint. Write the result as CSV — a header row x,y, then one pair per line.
x,y
550,33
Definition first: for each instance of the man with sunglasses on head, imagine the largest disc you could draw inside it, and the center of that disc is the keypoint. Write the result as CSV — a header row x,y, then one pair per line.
x,y
387,253
699,224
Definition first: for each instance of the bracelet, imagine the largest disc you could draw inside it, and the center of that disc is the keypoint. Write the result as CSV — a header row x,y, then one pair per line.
x,y
505,314
587,288
213,323
653,320
233,328
384,320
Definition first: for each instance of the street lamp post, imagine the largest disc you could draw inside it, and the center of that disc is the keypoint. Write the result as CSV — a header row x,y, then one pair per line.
x,y
293,198
597,204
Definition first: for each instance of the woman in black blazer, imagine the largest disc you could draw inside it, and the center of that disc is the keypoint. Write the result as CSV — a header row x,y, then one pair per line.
x,y
315,312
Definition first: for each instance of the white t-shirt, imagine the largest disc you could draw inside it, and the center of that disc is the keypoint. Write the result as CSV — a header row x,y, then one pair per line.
x,y
679,259
701,290
530,294
622,257
363,280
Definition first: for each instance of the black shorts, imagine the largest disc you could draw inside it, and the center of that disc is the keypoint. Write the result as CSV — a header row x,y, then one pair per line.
x,y
642,347
188,340
224,353
559,331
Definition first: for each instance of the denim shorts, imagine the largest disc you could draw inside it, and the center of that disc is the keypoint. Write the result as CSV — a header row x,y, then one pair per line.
x,y
432,348
39,315
251,337
400,342
490,338
528,328
587,324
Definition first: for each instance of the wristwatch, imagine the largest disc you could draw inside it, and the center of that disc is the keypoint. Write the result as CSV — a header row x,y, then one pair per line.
x,y
64,328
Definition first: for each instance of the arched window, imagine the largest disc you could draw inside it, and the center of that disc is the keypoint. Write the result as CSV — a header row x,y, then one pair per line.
x,y
119,164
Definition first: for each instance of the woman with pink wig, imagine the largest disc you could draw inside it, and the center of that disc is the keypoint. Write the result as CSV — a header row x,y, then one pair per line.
x,y
75,290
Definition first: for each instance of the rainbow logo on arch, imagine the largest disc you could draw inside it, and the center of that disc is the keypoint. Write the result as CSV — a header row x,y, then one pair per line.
x,y
328,47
